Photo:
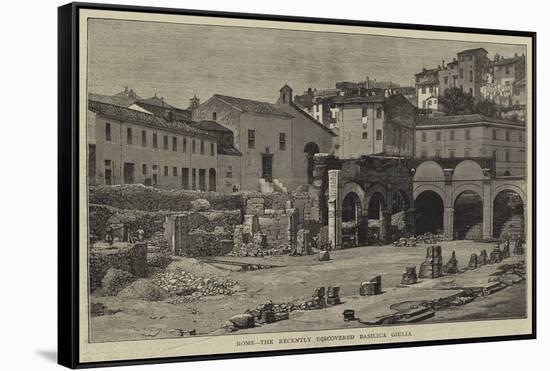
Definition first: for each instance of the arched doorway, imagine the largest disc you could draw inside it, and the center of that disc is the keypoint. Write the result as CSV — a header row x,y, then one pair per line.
x,y
375,214
212,180
429,213
310,150
352,220
468,216
508,214
399,206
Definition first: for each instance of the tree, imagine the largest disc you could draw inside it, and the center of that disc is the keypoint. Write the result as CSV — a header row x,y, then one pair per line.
x,y
456,102
487,107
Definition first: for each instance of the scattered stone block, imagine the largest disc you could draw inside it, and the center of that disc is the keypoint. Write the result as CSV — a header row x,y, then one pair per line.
x,y
333,295
200,205
324,256
496,255
372,287
349,315
251,224
505,253
409,277
482,259
303,242
144,290
452,265
432,266
518,247
472,264
245,320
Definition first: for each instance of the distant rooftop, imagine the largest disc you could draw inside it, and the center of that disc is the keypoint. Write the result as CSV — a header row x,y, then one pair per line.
x,y
464,119
254,106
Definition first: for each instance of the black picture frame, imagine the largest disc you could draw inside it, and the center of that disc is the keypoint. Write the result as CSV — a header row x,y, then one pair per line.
x,y
68,180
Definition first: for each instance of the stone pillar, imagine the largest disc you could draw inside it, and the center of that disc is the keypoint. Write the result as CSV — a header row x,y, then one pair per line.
x,y
363,228
448,222
448,211
292,232
334,209
410,220
385,224
487,205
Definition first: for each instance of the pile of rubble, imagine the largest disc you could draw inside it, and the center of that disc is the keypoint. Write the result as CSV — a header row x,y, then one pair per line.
x,y
405,242
182,283
430,238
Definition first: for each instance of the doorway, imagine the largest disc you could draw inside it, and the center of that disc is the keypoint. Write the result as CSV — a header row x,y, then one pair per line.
x,y
267,167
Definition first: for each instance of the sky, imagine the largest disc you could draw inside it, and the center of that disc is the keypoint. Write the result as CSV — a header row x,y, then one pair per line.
x,y
178,61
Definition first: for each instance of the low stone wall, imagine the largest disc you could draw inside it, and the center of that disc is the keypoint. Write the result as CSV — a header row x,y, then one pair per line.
x,y
260,204
127,257
140,197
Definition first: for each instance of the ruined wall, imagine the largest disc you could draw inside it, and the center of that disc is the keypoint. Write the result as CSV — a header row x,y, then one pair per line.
x,y
127,257
139,197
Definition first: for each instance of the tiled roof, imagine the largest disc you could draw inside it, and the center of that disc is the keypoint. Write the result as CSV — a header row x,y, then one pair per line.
x,y
249,105
117,99
210,126
164,111
141,118
307,116
467,51
464,119
505,61
367,99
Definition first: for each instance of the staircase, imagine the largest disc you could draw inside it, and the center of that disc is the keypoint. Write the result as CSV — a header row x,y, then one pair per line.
x,y
279,186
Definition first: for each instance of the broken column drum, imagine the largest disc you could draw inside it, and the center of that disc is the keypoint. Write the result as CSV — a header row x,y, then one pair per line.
x,y
496,255
518,247
505,254
371,287
482,258
452,265
409,277
432,265
473,261
333,295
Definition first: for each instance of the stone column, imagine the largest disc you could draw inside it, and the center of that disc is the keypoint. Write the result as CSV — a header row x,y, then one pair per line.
x,y
448,211
292,231
363,229
334,209
385,224
487,205
448,222
410,220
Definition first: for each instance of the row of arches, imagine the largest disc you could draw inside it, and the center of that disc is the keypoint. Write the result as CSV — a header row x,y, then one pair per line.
x,y
508,214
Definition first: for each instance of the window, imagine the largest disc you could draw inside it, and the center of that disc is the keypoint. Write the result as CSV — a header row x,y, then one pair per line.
x,y
194,147
507,136
155,141
471,76
143,138
364,112
437,153
202,147
185,177
423,136
108,173
452,135
466,153
184,144
282,141
364,135
452,153
520,135
165,142
446,80
193,178
202,179
461,73
467,134
174,144
214,116
251,139
507,156
212,150
129,138
107,131
469,57
229,172
423,90
495,137
379,113
507,70
438,136
431,89
144,169
174,171
166,171
495,154
378,134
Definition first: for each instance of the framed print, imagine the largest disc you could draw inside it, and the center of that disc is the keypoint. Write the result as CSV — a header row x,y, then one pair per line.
x,y
237,185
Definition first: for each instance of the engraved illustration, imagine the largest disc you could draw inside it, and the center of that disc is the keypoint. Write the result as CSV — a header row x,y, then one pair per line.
x,y
259,180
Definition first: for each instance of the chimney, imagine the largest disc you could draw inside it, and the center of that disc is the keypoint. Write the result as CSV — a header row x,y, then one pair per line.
x,y
443,63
